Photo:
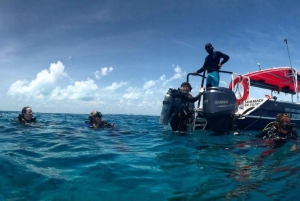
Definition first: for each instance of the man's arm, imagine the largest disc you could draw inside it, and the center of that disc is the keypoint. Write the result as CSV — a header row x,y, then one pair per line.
x,y
224,57
203,68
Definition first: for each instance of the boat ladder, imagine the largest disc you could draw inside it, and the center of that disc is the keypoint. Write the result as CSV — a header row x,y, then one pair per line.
x,y
199,120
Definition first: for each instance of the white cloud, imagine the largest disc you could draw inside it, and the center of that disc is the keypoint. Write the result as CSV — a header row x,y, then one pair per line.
x,y
50,90
45,82
81,90
178,75
162,78
149,84
152,90
49,85
104,72
115,85
97,74
132,93
184,44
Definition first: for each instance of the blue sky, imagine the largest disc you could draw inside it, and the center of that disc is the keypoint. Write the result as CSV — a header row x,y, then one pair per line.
x,y
120,57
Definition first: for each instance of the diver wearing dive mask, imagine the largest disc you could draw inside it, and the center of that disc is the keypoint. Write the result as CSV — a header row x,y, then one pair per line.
x,y
280,132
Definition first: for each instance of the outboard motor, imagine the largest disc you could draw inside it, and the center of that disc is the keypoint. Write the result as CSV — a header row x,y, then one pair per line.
x,y
219,106
166,109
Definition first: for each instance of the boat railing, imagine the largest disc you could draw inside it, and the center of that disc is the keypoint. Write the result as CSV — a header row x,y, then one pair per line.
x,y
204,77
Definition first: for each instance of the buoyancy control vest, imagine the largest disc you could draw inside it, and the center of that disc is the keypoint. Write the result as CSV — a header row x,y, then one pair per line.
x,y
279,138
182,106
22,120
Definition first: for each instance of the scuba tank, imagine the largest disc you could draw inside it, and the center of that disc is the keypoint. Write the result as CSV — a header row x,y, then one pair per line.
x,y
166,109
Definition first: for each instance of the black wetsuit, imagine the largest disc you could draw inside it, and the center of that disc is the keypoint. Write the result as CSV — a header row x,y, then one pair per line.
x,y
212,61
278,138
22,120
182,109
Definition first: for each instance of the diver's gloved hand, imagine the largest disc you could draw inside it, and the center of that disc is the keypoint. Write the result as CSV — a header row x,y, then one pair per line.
x,y
201,90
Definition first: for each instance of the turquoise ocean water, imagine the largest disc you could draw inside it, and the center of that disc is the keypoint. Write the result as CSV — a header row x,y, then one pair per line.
x,y
59,159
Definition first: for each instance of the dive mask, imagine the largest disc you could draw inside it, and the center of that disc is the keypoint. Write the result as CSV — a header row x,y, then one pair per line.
x,y
285,126
98,114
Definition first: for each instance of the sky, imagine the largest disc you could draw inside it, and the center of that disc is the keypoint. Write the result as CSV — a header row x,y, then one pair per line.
x,y
121,57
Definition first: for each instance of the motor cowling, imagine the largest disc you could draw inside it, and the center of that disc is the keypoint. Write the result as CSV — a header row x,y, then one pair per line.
x,y
219,106
166,109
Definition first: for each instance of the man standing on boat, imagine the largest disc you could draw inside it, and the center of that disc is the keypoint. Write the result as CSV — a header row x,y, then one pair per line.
x,y
212,64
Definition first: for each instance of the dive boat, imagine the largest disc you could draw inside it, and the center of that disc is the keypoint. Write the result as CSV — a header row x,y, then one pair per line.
x,y
234,108
222,109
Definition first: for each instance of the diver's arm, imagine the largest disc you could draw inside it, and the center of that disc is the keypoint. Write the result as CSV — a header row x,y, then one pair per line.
x,y
186,96
193,99
176,93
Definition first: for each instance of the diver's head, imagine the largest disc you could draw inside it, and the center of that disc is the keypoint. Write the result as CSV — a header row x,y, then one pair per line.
x,y
284,123
95,117
209,48
27,113
185,86
278,117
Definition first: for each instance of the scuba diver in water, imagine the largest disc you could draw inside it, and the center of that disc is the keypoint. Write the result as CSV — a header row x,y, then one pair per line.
x,y
26,116
279,132
181,109
95,121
